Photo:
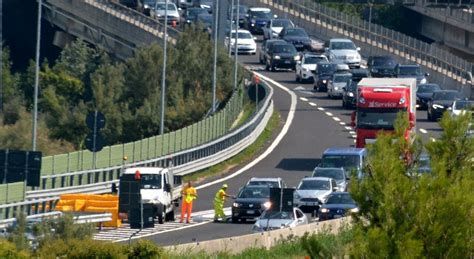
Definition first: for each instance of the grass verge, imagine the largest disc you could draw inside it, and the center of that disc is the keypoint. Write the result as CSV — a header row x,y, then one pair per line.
x,y
244,156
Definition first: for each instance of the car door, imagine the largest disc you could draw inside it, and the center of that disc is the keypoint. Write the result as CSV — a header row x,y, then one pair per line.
x,y
166,189
300,217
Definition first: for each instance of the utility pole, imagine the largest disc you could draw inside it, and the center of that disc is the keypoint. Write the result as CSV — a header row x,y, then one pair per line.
x,y
231,25
35,96
215,30
163,74
370,13
236,49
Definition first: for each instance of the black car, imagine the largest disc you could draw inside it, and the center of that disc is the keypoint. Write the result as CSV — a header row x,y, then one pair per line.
x,y
322,75
281,55
266,45
411,71
191,14
381,66
338,204
296,36
424,93
439,102
350,91
251,202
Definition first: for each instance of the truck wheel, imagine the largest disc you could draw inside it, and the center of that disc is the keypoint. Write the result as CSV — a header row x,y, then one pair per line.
x,y
170,215
161,214
235,220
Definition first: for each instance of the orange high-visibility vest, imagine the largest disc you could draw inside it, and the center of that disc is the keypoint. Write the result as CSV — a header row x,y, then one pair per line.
x,y
190,194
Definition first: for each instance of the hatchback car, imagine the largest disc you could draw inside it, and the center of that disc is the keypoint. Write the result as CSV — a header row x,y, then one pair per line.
x,y
313,191
251,202
275,219
381,66
338,174
337,83
281,55
265,47
306,67
424,93
296,36
338,204
411,71
245,42
275,182
439,102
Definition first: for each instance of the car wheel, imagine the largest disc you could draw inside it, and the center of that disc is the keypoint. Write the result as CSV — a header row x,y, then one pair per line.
x,y
235,220
161,214
272,67
297,78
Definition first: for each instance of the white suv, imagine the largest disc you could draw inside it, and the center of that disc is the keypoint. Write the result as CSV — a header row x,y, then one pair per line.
x,y
275,182
343,50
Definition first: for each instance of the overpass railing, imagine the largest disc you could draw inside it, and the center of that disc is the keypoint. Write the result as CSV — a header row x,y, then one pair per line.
x,y
322,22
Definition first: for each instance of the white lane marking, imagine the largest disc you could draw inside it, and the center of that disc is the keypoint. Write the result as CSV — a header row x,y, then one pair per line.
x,y
336,119
342,123
312,104
329,114
352,132
321,108
355,141
303,99
423,131
286,127
354,136
348,128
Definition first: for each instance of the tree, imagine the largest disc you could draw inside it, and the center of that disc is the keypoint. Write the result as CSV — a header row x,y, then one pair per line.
x,y
11,99
410,215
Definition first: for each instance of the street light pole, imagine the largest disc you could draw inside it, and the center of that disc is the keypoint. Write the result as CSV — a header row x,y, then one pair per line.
x,y
35,97
163,75
214,69
236,52
230,31
370,14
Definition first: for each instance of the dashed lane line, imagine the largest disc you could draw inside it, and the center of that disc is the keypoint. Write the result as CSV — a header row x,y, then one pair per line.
x,y
312,104
336,119
329,114
423,131
303,99
348,128
342,123
321,108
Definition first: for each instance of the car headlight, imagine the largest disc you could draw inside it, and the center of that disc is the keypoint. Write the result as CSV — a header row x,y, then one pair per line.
x,y
297,196
437,106
423,81
236,204
325,81
146,6
276,57
350,94
324,210
296,58
354,210
335,88
267,205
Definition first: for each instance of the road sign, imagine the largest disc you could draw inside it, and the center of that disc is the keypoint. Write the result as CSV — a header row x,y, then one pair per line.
x,y
95,120
99,142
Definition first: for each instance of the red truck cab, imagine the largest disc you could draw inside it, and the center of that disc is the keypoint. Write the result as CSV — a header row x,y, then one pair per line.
x,y
379,100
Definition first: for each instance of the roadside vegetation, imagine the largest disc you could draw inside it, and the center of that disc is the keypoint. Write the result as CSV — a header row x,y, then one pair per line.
x,y
403,214
128,93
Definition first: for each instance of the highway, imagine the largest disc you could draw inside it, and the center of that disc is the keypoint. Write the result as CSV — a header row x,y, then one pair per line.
x,y
318,123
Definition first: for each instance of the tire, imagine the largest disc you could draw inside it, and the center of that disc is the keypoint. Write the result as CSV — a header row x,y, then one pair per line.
x,y
272,67
235,220
170,215
161,214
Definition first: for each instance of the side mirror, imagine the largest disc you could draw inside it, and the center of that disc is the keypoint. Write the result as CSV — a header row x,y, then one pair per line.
x,y
358,48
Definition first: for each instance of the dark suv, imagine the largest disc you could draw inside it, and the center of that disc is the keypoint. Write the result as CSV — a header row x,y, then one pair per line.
x,y
322,75
381,66
281,55
266,45
439,102
350,91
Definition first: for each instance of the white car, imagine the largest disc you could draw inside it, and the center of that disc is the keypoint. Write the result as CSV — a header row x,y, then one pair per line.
x,y
313,191
343,50
336,84
459,107
274,182
158,12
276,219
273,28
245,42
307,65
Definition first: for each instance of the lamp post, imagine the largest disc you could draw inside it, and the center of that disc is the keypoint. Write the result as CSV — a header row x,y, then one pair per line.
x,y
35,96
214,69
230,31
163,74
370,13
236,52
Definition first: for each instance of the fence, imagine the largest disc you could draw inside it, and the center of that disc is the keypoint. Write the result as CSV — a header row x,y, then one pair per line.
x,y
322,22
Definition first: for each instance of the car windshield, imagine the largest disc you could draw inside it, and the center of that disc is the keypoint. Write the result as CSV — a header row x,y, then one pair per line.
x,y
384,62
313,60
336,173
269,214
444,95
162,6
314,185
270,184
296,32
464,105
340,198
195,12
242,35
428,88
342,45
254,193
342,78
326,68
409,70
281,23
206,19
348,162
150,181
284,48
261,15
377,118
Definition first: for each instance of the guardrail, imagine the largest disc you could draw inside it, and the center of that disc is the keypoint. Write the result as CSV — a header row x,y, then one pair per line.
x,y
322,22
78,219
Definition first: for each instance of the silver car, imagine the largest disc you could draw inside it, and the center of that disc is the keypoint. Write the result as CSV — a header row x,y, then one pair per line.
x,y
313,191
338,174
158,12
337,83
343,50
275,219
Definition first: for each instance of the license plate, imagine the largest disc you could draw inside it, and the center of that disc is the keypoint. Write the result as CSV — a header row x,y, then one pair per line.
x,y
287,62
250,212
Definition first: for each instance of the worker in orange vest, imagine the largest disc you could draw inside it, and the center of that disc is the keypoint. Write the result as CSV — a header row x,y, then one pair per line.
x,y
189,195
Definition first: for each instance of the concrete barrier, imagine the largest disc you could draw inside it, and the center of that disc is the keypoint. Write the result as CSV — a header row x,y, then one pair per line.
x,y
265,240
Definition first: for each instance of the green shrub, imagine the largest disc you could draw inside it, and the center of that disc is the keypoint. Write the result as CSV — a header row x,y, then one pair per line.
x,y
145,249
8,250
